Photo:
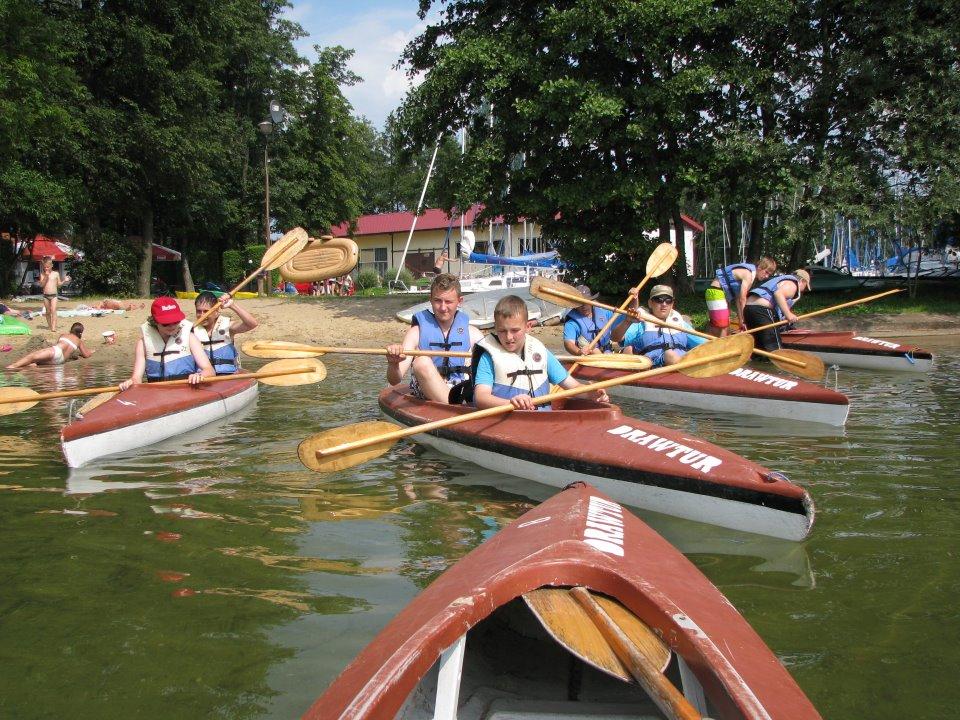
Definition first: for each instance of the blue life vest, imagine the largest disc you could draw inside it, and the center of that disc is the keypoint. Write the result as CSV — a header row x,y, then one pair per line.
x,y
730,283
655,337
453,370
170,359
767,290
517,374
590,325
219,348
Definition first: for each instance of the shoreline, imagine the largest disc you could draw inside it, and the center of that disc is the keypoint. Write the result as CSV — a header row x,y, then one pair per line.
x,y
370,322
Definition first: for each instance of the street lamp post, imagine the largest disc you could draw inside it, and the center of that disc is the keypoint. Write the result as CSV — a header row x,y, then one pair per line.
x,y
265,127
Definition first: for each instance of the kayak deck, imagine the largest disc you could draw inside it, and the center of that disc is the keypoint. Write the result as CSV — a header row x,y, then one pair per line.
x,y
852,350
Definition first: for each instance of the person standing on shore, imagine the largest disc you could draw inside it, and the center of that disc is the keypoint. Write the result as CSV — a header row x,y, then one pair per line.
x,y
731,287
773,301
50,282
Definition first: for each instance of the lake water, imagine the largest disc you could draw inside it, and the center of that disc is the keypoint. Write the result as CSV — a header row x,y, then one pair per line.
x,y
214,576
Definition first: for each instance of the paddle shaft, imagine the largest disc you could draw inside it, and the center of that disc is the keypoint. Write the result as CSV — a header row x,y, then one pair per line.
x,y
661,323
663,692
162,383
504,409
869,298
323,350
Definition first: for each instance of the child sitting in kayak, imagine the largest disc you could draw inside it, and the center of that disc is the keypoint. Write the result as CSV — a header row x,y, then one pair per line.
x,y
444,327
167,350
217,331
582,325
512,367
67,347
664,346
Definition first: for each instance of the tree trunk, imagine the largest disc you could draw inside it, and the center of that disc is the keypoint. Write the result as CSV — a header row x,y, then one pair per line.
x,y
663,222
185,268
755,249
684,280
146,252
796,252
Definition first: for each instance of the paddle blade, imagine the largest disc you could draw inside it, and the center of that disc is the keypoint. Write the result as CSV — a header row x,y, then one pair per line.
x,y
314,372
9,397
564,619
812,367
277,349
661,259
634,363
541,288
94,402
741,343
307,450
292,242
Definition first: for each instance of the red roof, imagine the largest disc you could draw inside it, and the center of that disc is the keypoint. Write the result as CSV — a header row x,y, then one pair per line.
x,y
431,219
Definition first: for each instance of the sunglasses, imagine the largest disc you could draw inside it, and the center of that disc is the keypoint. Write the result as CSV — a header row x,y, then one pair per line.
x,y
663,300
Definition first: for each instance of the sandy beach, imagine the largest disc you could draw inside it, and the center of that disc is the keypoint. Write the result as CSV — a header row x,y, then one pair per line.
x,y
367,322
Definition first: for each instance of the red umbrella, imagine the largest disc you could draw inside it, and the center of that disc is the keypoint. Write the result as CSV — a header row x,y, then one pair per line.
x,y
44,246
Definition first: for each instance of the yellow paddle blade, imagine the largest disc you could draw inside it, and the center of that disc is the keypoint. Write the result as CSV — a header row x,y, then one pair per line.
x,y
541,287
741,342
10,395
95,401
292,242
634,363
564,619
313,372
307,450
661,259
802,364
322,259
277,349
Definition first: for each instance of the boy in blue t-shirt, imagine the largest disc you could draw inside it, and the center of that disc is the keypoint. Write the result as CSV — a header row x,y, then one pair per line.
x,y
513,367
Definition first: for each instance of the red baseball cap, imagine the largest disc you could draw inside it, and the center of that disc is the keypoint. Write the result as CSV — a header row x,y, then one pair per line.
x,y
166,311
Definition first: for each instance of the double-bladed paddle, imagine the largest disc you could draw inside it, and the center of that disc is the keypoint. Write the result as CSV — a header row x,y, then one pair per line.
x,y
283,349
280,372
276,255
800,363
351,445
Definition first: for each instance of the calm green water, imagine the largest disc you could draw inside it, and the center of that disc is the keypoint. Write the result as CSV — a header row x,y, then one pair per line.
x,y
215,577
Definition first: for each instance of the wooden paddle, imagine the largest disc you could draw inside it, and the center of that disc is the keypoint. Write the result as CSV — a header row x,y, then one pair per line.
x,y
283,349
276,255
869,298
338,449
279,372
800,363
660,260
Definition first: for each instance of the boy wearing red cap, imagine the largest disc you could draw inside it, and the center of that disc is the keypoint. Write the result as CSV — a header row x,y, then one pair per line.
x,y
167,350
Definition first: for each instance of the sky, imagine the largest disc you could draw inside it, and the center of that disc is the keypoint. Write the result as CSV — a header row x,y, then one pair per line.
x,y
377,30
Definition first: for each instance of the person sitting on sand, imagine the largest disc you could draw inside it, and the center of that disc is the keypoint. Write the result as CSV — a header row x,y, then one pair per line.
x,y
217,331
444,327
67,347
663,346
773,301
166,349
50,282
512,367
582,325
110,304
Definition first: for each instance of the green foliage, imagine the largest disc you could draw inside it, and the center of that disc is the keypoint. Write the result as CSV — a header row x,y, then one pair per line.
x,y
367,279
406,277
234,266
109,265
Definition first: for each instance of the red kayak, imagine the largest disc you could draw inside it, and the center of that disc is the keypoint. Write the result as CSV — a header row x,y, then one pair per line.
x,y
745,391
852,350
638,463
506,633
146,414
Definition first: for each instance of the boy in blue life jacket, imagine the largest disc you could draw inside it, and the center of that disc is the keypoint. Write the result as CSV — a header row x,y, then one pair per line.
x,y
443,327
582,325
512,367
773,301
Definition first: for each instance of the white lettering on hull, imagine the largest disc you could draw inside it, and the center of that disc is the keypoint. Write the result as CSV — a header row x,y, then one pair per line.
x,y
604,526
686,455
874,341
764,379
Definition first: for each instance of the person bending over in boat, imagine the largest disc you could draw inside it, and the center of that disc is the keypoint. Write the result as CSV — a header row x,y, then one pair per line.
x,y
167,350
67,347
662,345
216,333
513,367
731,287
444,327
773,301
582,325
